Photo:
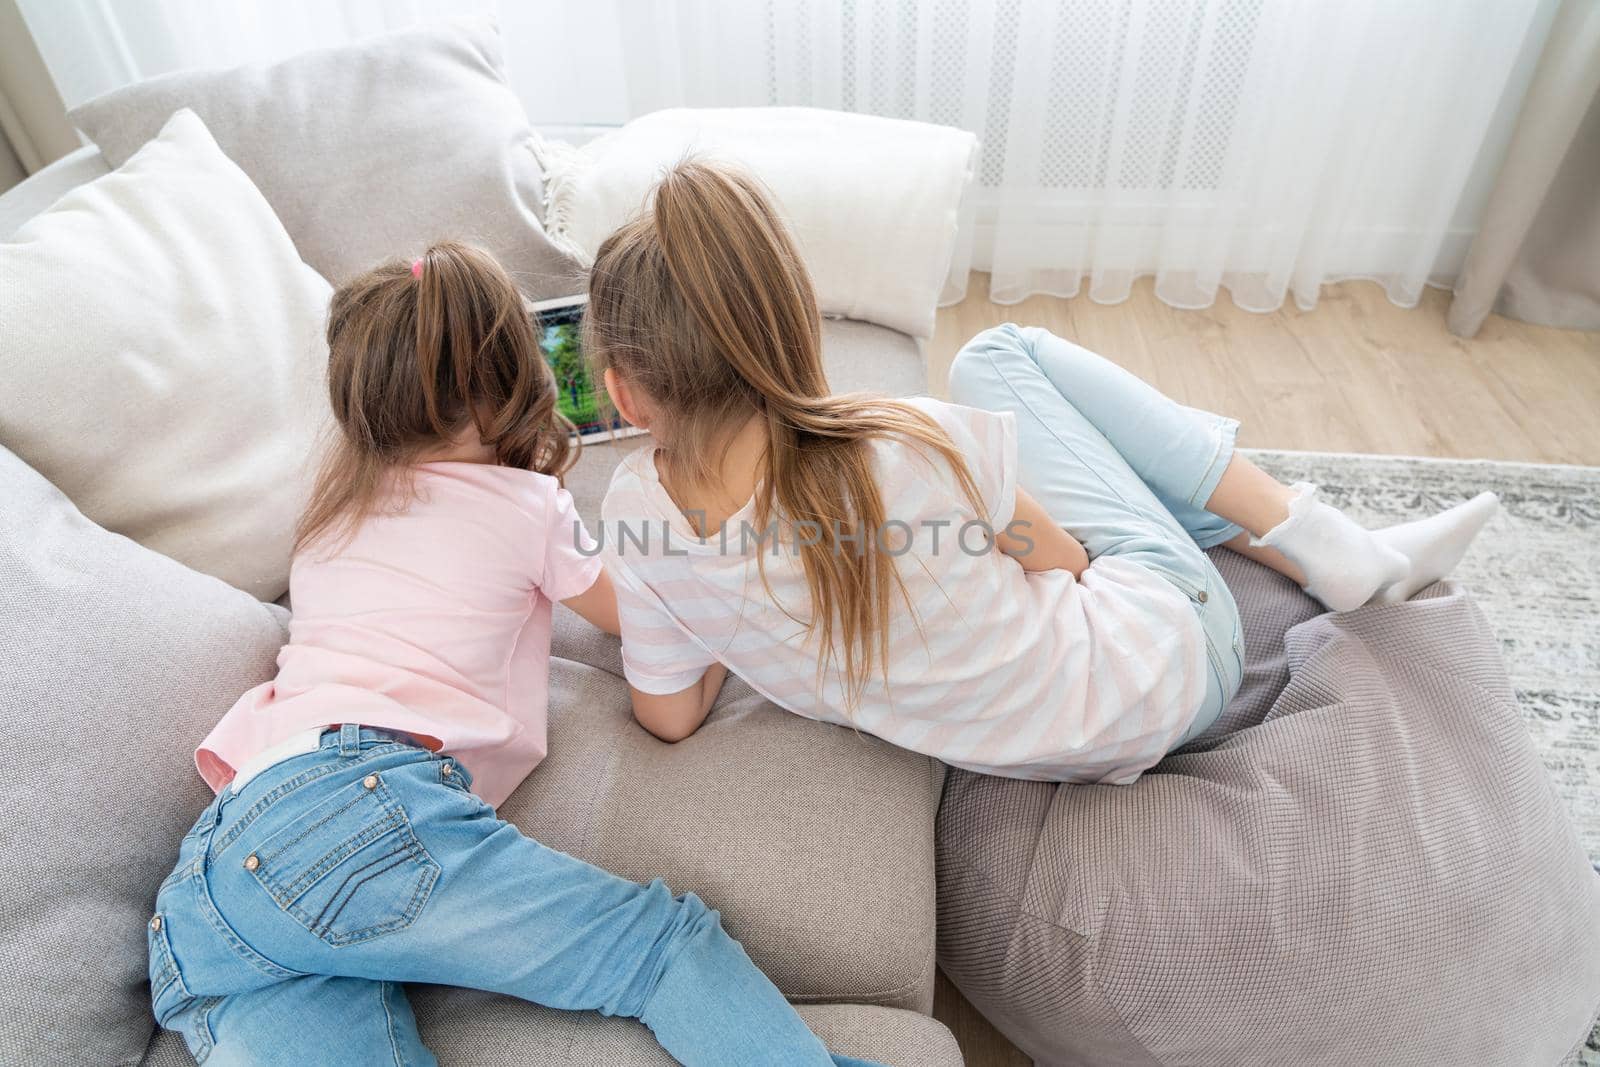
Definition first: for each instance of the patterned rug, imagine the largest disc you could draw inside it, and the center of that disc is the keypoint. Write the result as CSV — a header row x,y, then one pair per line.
x,y
1535,571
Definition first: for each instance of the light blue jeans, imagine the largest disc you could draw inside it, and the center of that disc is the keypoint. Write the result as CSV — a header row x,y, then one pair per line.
x,y
1121,467
299,905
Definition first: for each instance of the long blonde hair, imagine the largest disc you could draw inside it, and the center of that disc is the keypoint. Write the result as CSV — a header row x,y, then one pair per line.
x,y
417,352
704,304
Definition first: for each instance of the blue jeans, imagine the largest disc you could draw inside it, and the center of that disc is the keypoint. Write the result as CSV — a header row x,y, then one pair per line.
x,y
1121,467
299,905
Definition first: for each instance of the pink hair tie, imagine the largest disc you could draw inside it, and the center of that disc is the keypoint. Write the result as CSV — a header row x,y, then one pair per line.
x,y
416,268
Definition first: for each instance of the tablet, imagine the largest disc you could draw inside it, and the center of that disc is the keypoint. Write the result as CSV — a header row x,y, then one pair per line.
x,y
559,326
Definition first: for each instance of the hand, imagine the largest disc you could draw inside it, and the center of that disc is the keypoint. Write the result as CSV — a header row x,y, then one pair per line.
x,y
1033,539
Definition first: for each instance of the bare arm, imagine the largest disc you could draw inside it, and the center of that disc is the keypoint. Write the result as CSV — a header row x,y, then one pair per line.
x,y
1034,540
598,604
674,716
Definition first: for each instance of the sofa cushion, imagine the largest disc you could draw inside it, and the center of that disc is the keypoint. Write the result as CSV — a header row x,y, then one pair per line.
x,y
814,842
117,661
466,1028
1371,868
162,359
861,357
372,150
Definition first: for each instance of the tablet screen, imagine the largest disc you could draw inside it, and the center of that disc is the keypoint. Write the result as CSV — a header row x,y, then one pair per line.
x,y
579,397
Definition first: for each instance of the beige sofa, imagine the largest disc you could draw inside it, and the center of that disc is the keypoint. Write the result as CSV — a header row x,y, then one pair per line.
x,y
816,843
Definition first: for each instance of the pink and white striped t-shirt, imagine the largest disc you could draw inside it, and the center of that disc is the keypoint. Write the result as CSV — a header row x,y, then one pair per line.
x,y
1029,675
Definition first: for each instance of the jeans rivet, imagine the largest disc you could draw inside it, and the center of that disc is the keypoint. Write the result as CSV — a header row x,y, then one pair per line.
x,y
370,781
251,862
155,923
1201,596
447,770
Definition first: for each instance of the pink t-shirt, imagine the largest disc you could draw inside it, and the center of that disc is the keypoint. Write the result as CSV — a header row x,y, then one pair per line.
x,y
433,620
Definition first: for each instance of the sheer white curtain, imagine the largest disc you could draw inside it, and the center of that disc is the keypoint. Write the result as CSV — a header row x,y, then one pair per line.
x,y
1265,146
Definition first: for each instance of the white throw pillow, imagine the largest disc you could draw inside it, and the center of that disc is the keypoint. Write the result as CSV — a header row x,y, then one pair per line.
x,y
162,358
874,203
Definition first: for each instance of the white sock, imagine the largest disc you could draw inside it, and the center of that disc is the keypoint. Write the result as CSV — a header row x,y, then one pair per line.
x,y
1343,563
1434,545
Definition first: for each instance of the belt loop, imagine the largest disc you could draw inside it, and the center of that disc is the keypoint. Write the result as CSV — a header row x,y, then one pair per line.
x,y
350,740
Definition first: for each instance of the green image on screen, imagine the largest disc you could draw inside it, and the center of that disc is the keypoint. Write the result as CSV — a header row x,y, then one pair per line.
x,y
577,397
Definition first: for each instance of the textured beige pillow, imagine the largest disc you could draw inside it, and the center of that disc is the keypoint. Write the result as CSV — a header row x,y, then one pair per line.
x,y
162,359
370,151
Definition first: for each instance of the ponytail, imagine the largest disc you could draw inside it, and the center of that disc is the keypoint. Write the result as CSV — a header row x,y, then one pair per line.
x,y
416,354
705,304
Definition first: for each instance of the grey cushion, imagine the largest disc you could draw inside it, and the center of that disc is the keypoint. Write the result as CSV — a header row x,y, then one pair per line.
x,y
815,842
861,357
117,661
369,151
466,1028
1372,868
25,200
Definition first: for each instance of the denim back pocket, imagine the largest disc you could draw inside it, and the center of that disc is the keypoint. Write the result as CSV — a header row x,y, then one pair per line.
x,y
350,868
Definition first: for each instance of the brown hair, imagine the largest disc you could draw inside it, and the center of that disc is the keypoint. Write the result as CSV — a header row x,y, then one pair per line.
x,y
705,305
416,354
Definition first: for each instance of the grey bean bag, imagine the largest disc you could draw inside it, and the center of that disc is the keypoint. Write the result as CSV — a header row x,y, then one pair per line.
x,y
1363,862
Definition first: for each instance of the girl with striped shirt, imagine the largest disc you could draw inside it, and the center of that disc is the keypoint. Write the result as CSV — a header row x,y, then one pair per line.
x,y
1013,583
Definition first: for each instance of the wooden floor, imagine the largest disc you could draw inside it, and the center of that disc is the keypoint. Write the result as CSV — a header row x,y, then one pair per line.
x,y
1357,374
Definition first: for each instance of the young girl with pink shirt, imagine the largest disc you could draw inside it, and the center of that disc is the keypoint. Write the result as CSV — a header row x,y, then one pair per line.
x,y
353,843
